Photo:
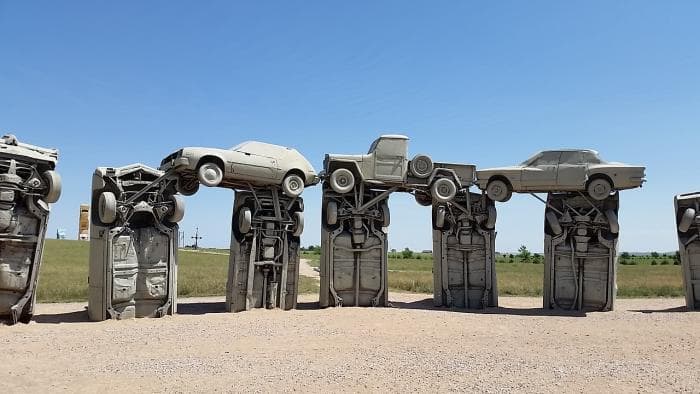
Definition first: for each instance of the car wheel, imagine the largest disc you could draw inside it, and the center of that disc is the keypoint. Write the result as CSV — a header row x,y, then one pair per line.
x,y
599,189
298,224
332,213
686,220
421,166
386,216
443,190
107,208
612,221
245,220
177,213
293,185
553,222
186,187
342,180
423,199
490,222
440,217
498,190
53,186
210,174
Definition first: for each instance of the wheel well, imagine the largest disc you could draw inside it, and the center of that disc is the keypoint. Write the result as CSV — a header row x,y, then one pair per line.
x,y
352,166
296,171
212,159
600,176
500,178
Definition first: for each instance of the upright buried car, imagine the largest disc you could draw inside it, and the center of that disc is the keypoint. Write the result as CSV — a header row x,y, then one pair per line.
x,y
687,207
133,243
247,164
28,183
560,171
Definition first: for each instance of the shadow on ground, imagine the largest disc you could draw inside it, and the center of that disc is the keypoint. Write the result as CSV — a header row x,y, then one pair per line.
x,y
427,304
201,308
667,310
66,317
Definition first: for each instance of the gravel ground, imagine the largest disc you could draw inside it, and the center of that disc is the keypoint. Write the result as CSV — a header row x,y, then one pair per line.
x,y
645,345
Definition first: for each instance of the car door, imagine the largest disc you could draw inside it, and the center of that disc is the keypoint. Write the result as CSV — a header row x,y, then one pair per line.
x,y
252,167
389,160
571,174
541,174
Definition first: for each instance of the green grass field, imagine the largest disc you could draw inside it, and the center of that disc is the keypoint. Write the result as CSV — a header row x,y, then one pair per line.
x,y
638,278
64,274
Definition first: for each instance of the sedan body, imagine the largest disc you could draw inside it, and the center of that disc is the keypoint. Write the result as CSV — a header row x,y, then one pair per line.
x,y
563,170
251,162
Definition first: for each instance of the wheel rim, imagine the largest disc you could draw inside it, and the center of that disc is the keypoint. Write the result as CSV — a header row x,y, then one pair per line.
x,y
294,184
497,191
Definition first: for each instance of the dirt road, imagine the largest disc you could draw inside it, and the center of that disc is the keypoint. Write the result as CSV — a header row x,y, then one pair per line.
x,y
645,345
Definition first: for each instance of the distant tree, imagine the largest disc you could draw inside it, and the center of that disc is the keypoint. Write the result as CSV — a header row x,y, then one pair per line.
x,y
653,262
625,255
407,253
655,255
393,250
677,258
524,254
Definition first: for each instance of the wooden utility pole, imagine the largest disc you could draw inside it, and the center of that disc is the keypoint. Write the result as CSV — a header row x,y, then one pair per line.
x,y
196,238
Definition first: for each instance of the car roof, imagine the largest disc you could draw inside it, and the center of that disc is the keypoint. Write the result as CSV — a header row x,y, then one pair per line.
x,y
570,150
262,149
394,136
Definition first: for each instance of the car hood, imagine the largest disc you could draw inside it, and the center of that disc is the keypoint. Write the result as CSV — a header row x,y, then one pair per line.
x,y
499,170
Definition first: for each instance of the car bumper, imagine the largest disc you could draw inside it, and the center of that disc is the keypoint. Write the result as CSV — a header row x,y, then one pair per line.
x,y
313,179
180,162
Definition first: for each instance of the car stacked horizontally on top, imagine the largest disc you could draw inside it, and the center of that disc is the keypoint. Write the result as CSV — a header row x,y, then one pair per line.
x,y
560,171
250,163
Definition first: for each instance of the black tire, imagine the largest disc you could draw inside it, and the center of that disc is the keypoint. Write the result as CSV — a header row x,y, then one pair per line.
x,y
423,199
186,187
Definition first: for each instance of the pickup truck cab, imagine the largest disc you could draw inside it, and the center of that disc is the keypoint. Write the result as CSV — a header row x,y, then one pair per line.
x,y
386,165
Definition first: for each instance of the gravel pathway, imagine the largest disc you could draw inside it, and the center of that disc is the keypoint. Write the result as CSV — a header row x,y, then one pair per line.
x,y
648,345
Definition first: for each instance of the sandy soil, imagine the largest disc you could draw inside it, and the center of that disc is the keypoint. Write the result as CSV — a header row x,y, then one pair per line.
x,y
645,345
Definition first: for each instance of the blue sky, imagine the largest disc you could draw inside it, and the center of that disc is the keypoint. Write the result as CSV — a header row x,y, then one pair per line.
x,y
112,83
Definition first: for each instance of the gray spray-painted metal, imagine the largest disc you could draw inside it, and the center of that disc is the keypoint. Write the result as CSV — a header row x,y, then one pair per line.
x,y
560,171
264,260
464,270
28,183
580,250
249,163
354,256
386,166
687,208
133,243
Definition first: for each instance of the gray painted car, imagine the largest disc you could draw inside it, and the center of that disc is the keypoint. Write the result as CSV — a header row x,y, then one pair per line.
x,y
250,163
560,171
28,184
386,165
687,207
